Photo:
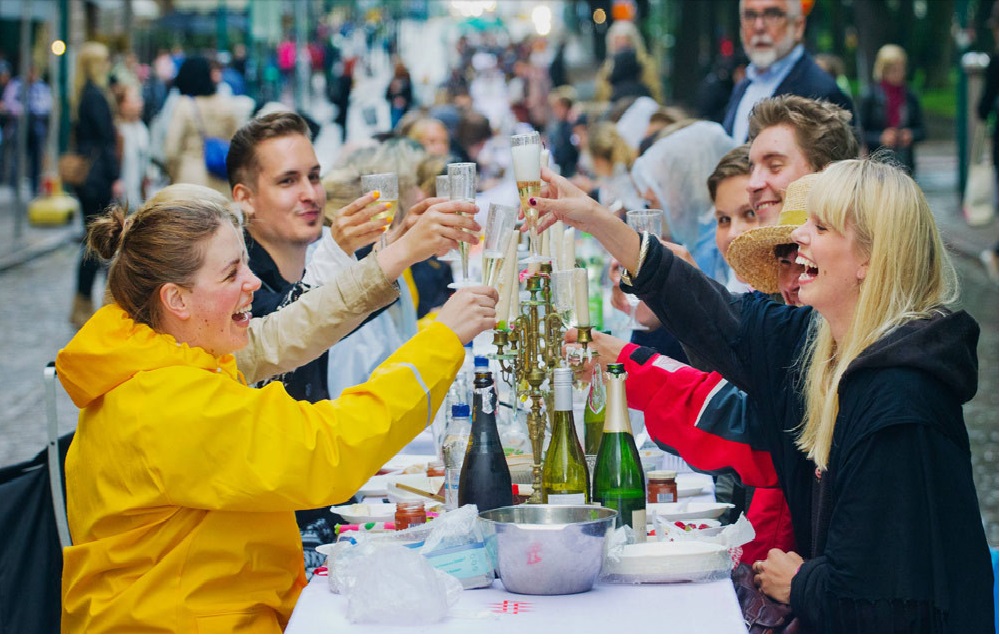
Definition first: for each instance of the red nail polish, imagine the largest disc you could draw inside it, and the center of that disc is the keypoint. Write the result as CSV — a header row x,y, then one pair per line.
x,y
532,201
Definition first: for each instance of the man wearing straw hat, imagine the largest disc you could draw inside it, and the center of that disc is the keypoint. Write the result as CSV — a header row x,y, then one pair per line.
x,y
764,257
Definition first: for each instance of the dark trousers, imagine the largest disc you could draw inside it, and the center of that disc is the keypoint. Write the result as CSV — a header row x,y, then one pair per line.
x,y
89,263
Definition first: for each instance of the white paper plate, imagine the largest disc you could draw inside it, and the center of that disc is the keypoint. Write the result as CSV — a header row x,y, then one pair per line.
x,y
378,486
668,562
687,510
404,460
395,493
366,512
693,484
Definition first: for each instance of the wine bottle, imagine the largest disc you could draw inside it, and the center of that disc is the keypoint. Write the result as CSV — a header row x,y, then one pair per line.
x,y
485,479
593,413
618,479
564,475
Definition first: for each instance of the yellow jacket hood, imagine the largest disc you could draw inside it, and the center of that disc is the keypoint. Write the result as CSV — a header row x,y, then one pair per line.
x,y
111,348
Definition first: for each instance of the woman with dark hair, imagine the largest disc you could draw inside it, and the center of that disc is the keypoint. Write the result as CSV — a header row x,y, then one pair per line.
x,y
200,112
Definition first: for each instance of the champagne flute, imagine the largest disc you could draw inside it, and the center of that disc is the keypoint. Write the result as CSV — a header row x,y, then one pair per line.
x,y
463,188
499,230
526,153
442,189
642,220
387,185
561,283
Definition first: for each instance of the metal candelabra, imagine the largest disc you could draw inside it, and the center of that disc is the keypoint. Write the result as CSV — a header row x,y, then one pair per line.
x,y
528,350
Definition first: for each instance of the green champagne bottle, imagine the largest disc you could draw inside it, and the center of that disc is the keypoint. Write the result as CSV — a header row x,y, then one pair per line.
x,y
564,474
593,413
618,479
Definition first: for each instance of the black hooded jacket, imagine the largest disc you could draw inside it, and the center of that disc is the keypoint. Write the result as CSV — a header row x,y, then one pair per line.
x,y
898,545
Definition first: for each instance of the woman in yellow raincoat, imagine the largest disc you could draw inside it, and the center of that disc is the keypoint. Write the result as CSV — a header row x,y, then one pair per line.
x,y
182,482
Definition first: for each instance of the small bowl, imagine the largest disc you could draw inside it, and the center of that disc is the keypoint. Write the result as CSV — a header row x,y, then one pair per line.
x,y
542,549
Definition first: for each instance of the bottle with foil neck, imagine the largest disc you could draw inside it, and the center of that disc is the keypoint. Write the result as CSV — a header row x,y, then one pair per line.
x,y
565,479
618,479
485,479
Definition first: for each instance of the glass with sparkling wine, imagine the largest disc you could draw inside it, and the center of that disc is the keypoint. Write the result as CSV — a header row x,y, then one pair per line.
x,y
463,187
641,220
526,153
387,185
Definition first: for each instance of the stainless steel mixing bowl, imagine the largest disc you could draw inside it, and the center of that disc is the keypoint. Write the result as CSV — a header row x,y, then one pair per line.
x,y
547,549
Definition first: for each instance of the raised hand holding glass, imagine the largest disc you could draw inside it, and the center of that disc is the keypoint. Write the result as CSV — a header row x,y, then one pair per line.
x,y
387,186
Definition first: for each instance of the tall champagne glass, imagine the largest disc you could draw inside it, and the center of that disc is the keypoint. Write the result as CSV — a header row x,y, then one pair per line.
x,y
387,185
463,187
442,189
642,220
526,151
499,230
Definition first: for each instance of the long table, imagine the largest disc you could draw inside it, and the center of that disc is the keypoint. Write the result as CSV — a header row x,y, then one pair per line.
x,y
708,607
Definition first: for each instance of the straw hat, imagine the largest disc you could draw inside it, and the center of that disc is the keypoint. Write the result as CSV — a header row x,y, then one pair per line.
x,y
751,254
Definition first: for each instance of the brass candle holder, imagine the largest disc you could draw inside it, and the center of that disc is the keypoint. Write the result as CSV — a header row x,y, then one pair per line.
x,y
528,350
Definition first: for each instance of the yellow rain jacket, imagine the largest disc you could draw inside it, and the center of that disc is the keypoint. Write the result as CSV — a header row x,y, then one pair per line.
x,y
182,482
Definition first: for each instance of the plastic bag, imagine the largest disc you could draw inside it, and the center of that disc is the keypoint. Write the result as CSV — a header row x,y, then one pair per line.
x,y
456,545
391,584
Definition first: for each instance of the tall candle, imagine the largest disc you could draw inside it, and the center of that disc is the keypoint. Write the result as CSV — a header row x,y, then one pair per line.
x,y
580,297
545,243
569,248
514,290
555,246
508,279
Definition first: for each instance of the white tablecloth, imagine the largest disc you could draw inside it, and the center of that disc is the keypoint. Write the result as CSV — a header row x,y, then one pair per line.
x,y
709,607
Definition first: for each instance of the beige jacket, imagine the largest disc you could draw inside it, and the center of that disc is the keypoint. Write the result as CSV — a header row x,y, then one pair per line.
x,y
183,147
302,331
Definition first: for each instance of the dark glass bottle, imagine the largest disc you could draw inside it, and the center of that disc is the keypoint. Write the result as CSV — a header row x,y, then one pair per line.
x,y
618,479
485,480
564,476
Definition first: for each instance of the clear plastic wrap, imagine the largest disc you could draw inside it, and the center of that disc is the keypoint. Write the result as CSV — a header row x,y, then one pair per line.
x,y
391,584
698,555
453,542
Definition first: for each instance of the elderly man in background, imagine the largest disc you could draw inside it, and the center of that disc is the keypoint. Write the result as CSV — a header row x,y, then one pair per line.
x,y
771,32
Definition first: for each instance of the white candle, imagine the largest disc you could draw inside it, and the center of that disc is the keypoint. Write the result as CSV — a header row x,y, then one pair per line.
x,y
569,248
514,291
504,284
581,297
545,243
543,158
555,245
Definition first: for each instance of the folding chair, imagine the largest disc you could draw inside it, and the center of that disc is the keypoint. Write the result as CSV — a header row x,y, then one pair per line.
x,y
34,532
55,457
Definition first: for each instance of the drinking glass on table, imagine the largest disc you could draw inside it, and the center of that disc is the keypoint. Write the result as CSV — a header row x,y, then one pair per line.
x,y
526,153
642,220
387,186
462,177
